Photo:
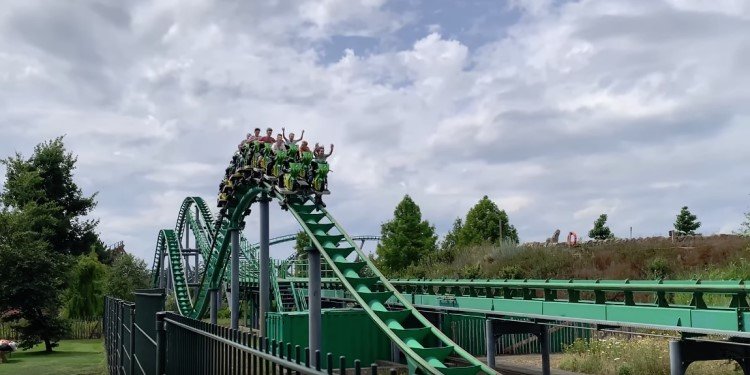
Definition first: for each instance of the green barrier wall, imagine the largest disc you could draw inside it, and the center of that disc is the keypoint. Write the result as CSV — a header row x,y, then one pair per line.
x,y
350,333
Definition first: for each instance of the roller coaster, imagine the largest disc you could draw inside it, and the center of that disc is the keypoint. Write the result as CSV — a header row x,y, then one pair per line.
x,y
257,175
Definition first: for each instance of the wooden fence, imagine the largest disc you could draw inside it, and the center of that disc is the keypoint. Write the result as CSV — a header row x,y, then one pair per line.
x,y
79,330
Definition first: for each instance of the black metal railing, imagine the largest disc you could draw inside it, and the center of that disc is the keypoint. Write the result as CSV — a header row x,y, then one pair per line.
x,y
140,340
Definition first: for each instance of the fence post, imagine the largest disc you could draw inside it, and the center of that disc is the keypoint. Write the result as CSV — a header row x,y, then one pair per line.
x,y
544,342
490,343
131,349
120,344
161,344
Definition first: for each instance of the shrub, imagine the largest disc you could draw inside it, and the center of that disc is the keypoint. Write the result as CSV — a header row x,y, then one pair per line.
x,y
660,268
512,271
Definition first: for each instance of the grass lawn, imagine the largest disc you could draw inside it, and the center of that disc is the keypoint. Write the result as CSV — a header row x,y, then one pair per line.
x,y
74,357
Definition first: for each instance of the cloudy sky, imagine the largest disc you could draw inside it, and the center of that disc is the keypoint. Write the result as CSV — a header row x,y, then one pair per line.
x,y
558,111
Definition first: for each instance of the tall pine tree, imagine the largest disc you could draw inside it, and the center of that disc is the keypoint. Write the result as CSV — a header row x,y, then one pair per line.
x,y
46,178
601,231
686,222
406,238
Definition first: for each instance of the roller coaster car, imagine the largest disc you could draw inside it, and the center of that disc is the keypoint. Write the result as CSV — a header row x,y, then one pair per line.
x,y
228,186
236,177
279,164
258,156
306,160
293,151
222,200
292,182
320,179
249,154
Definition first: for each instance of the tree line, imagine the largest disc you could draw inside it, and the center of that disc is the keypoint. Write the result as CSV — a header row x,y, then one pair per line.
x,y
53,265
407,240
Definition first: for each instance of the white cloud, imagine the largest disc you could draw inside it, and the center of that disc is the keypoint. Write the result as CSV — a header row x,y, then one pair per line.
x,y
633,108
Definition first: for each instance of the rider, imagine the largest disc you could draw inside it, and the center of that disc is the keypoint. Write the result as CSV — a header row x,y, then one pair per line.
x,y
291,140
303,148
267,138
249,139
320,153
254,137
279,145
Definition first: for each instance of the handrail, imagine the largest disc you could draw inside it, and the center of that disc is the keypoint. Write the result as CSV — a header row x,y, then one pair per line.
x,y
268,357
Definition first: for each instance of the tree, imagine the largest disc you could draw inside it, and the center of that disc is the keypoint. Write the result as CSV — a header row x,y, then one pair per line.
x,y
46,178
686,222
33,276
301,243
745,226
127,274
483,222
86,290
450,242
601,231
405,239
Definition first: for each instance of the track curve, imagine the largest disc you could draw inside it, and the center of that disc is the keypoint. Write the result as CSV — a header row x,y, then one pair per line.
x,y
407,328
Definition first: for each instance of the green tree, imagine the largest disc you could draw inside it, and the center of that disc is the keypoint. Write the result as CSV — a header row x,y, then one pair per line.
x,y
46,178
405,239
86,290
686,222
745,226
450,242
601,231
33,276
127,274
301,243
482,225
452,237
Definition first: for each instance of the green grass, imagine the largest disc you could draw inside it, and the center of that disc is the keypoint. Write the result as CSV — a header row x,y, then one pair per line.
x,y
72,357
645,355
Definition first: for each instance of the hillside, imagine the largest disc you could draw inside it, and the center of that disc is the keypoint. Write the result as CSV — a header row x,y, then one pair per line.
x,y
719,256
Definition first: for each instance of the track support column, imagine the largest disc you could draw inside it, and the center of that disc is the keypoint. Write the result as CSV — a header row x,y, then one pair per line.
x,y
544,343
213,295
265,274
163,271
491,342
676,365
315,321
235,303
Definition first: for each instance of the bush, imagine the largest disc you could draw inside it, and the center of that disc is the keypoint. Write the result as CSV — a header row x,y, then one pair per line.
x,y
170,304
659,268
619,356
224,313
512,271
471,272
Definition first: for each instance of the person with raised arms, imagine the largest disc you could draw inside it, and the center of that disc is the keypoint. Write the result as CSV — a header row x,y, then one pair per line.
x,y
291,140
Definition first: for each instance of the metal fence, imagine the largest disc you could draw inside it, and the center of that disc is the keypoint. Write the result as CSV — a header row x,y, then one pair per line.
x,y
468,331
80,329
142,339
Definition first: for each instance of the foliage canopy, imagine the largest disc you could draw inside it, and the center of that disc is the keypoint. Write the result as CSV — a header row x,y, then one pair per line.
x,y
405,239
686,222
601,231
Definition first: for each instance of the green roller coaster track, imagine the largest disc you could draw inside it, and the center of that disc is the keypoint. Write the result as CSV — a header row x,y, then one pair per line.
x,y
406,327
688,306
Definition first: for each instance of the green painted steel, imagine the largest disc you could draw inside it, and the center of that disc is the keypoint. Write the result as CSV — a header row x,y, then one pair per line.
x,y
369,344
406,328
648,304
468,330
